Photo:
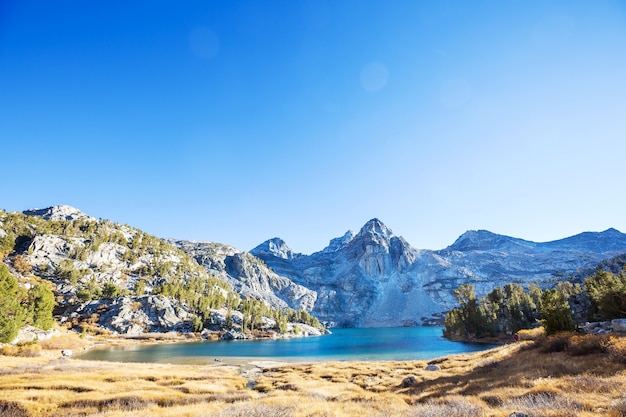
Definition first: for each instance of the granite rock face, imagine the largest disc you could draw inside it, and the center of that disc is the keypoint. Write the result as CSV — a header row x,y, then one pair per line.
x,y
248,275
134,316
375,278
366,281
276,247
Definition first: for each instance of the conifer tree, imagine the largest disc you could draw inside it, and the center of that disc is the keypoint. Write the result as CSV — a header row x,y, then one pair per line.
x,y
41,303
12,313
556,312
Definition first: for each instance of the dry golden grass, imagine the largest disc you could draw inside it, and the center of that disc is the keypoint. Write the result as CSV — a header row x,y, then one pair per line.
x,y
568,375
68,340
62,387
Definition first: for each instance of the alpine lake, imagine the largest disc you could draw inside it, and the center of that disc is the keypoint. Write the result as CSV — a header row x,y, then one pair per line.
x,y
358,344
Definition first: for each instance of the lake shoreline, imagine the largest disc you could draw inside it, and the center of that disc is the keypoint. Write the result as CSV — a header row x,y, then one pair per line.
x,y
365,344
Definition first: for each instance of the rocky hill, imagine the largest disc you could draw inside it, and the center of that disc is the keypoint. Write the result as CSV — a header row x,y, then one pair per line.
x,y
112,277
248,275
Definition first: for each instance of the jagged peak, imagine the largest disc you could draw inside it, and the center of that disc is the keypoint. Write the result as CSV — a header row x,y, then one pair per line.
x,y
339,242
375,227
59,212
275,247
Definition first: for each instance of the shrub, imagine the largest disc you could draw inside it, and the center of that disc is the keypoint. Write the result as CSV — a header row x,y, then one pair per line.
x,y
29,351
535,403
580,345
555,343
12,409
531,334
616,346
9,350
255,410
68,341
67,272
454,407
110,291
21,265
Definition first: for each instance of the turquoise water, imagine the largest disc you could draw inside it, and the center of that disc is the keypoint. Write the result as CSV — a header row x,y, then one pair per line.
x,y
403,343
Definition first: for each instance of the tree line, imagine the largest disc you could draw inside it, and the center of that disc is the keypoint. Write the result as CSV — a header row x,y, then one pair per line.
x,y
508,309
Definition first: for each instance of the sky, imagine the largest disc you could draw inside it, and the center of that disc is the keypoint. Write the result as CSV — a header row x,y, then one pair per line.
x,y
239,121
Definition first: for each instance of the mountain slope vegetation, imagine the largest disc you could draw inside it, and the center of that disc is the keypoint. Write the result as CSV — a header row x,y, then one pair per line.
x,y
95,266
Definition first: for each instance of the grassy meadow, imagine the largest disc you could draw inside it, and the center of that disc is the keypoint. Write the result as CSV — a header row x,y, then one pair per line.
x,y
565,375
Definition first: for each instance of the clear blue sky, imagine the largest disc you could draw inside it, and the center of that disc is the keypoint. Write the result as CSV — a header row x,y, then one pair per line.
x,y
238,121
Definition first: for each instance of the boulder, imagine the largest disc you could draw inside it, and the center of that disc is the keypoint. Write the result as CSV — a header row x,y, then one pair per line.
x,y
30,333
619,325
134,316
432,368
232,335
409,381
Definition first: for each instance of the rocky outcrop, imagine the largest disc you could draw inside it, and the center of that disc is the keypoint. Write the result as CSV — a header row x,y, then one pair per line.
x,y
30,333
339,242
604,327
276,247
134,316
106,263
248,275
59,213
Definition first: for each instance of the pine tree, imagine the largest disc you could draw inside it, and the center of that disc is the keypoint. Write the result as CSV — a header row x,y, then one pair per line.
x,y
556,313
41,303
12,313
607,292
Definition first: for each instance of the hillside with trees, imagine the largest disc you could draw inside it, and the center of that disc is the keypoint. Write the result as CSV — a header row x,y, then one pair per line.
x,y
78,269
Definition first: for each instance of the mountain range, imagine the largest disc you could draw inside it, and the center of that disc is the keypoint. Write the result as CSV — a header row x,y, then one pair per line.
x,y
373,278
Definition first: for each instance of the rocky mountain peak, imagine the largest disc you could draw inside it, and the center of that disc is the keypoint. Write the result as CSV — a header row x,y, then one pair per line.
x,y
473,240
60,212
339,242
275,247
375,229
484,240
610,239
